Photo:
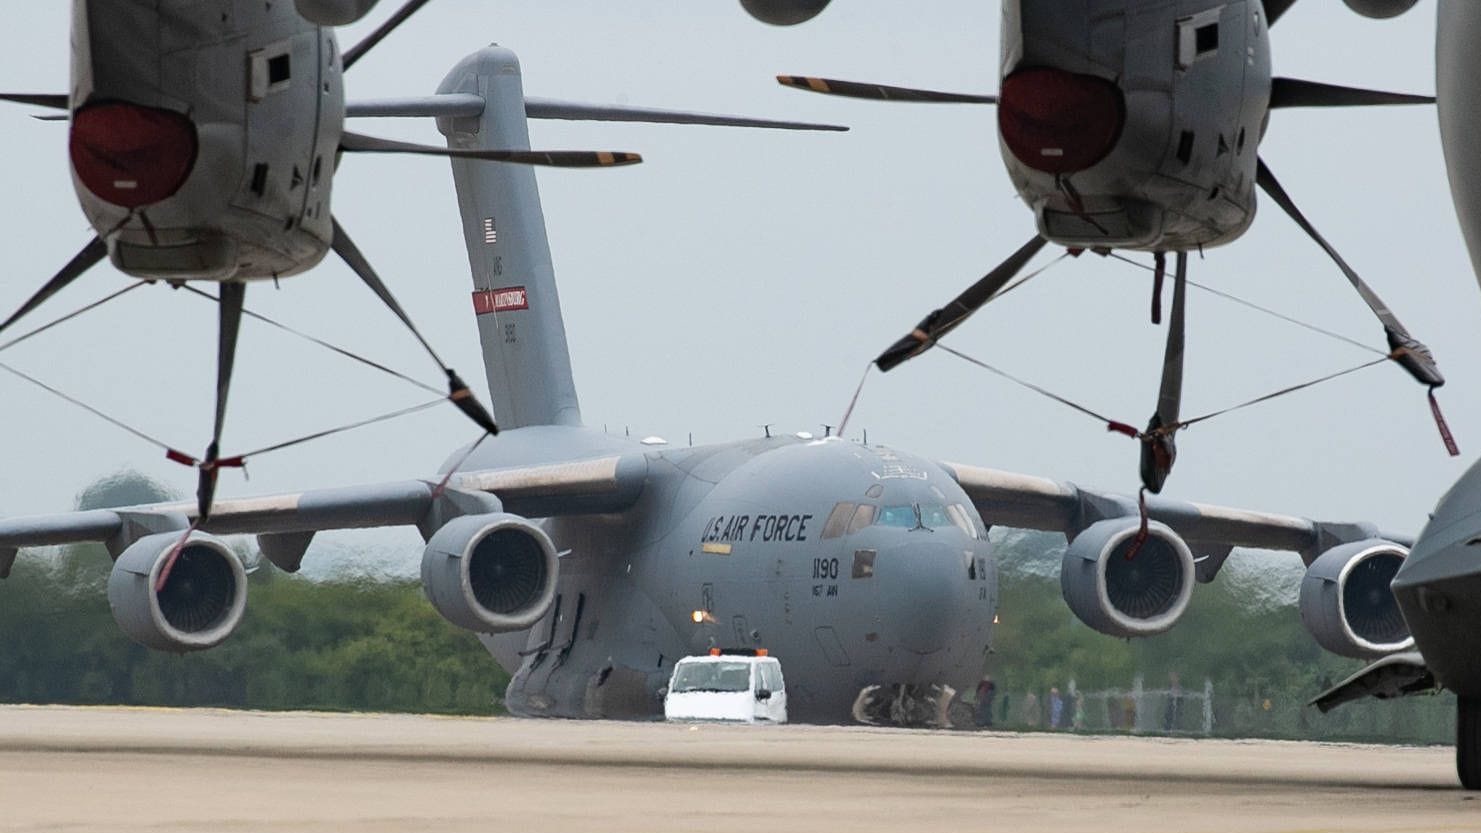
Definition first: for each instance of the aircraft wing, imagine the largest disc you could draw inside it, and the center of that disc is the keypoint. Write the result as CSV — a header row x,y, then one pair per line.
x,y
286,523
1027,502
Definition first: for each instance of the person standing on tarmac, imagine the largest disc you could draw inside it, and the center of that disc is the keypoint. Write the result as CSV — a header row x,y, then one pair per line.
x,y
986,691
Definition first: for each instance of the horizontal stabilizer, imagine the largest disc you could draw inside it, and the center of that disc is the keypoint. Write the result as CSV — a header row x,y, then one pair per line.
x,y
1292,92
880,92
55,102
1398,675
357,143
445,105
467,105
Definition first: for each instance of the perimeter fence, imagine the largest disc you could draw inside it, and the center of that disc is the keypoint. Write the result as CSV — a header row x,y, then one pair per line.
x,y
1204,711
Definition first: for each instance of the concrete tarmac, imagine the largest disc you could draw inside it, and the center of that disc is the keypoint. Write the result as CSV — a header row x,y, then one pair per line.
x,y
124,770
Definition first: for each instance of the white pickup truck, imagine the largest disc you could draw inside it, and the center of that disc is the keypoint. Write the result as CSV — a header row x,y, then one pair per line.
x,y
743,687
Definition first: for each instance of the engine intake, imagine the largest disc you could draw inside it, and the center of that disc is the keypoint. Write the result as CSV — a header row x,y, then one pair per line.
x,y
490,573
783,12
200,604
1139,596
1346,602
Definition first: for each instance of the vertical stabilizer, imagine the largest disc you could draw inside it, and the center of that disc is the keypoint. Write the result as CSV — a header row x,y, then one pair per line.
x,y
514,295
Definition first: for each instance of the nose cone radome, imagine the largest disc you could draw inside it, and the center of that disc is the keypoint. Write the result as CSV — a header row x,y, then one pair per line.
x,y
131,155
923,583
1060,122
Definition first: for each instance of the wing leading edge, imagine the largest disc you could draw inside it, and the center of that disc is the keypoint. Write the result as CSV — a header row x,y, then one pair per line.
x,y
285,523
1027,502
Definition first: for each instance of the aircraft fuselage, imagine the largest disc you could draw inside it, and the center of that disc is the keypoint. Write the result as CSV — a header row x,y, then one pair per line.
x,y
1134,124
856,566
204,135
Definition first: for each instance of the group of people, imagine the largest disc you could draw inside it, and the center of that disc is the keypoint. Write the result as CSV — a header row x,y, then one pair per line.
x,y
1062,712
1068,711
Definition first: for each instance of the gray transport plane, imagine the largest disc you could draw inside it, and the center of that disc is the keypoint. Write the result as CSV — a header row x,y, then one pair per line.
x,y
1135,125
588,564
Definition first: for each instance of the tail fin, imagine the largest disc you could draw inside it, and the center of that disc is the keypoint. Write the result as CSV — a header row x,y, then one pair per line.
x,y
514,294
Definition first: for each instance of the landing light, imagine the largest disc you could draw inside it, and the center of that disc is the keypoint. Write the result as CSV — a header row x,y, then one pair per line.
x,y
699,617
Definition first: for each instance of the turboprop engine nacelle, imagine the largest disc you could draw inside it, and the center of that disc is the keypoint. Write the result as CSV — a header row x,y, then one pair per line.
x,y
217,173
490,573
1346,602
202,599
1143,595
783,12
334,12
1380,8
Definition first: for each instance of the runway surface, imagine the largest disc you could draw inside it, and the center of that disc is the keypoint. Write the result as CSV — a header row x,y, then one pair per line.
x,y
122,770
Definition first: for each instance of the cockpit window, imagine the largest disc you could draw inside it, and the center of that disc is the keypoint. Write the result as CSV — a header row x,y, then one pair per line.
x,y
712,676
863,517
962,519
838,520
902,516
933,516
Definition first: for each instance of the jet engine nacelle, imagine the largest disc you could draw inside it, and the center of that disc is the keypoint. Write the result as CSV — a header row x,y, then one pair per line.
x,y
1119,596
1380,8
1346,602
202,599
490,573
783,12
334,12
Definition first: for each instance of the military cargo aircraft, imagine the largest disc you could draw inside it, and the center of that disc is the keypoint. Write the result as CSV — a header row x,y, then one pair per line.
x,y
589,563
1134,125
203,140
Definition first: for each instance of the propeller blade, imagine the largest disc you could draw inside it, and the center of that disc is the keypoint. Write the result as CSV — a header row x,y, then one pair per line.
x,y
468,105
86,259
879,92
947,318
233,296
1159,450
458,391
1293,92
1408,352
358,143
55,102
1275,8
549,108
356,52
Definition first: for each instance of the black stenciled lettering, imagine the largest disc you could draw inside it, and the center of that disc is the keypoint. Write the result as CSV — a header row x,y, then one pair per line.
x,y
802,528
756,527
708,535
740,528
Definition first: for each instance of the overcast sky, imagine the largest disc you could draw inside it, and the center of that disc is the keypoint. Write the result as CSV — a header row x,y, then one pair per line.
x,y
746,277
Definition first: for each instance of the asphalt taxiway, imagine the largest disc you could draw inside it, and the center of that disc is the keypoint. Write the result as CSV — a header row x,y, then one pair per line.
x,y
123,770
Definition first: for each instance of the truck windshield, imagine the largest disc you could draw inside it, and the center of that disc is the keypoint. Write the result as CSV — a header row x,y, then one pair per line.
x,y
712,676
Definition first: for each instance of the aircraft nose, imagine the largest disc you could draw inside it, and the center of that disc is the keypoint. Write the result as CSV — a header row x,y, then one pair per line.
x,y
922,583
